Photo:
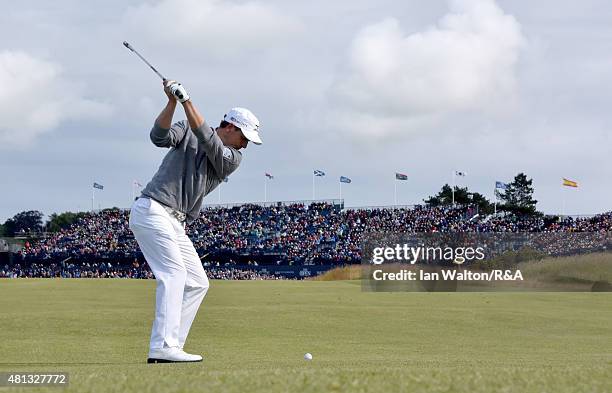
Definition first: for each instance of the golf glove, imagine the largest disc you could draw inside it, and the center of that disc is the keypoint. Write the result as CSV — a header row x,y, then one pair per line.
x,y
179,92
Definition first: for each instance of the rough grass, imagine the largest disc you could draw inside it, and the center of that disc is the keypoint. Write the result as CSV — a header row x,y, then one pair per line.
x,y
583,268
349,272
253,335
567,273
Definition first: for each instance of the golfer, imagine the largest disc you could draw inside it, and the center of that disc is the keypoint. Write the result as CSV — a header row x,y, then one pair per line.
x,y
199,159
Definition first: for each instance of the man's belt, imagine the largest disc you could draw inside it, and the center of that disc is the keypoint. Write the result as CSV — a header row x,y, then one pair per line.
x,y
180,216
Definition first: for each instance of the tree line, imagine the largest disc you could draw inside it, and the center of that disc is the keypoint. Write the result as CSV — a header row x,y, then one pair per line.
x,y
31,221
516,199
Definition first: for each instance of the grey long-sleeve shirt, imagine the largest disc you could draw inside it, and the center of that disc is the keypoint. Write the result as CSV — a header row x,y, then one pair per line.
x,y
196,163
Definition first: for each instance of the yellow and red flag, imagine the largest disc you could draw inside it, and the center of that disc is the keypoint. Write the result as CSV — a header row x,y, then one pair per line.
x,y
570,183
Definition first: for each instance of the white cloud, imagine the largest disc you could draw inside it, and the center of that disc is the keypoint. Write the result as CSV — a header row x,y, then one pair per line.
x,y
36,98
219,27
393,79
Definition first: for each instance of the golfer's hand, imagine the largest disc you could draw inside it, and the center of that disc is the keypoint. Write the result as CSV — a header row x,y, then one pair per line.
x,y
166,85
178,91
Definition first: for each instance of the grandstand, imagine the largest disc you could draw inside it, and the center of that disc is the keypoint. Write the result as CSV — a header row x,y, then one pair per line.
x,y
271,240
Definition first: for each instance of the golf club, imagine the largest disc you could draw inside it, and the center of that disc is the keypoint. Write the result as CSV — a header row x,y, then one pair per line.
x,y
130,47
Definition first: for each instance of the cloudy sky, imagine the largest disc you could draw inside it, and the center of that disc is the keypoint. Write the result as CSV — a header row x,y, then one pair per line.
x,y
358,88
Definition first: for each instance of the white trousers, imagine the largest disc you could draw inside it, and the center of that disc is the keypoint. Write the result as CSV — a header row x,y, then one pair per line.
x,y
181,280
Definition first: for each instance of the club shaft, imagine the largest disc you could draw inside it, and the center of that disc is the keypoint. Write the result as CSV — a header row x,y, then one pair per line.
x,y
130,47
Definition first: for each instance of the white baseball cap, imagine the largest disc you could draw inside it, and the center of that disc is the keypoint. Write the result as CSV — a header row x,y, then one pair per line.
x,y
246,121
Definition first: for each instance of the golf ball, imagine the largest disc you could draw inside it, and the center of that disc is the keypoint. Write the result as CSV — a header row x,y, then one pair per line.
x,y
307,356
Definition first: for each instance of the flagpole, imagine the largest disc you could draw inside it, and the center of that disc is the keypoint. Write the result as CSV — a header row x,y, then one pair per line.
x,y
219,195
266,189
93,198
453,189
495,203
313,185
340,189
563,205
395,193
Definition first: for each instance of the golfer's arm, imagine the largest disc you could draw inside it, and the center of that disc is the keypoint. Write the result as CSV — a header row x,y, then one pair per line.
x,y
195,119
163,133
164,120
222,158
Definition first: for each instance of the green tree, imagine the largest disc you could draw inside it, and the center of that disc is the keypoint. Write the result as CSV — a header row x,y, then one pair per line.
x,y
58,222
9,227
462,197
484,205
518,196
445,196
26,221
2,230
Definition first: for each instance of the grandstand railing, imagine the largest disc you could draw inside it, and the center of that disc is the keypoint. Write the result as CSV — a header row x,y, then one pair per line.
x,y
574,216
380,207
306,202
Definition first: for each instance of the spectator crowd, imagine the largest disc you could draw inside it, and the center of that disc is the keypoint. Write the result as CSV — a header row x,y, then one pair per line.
x,y
233,238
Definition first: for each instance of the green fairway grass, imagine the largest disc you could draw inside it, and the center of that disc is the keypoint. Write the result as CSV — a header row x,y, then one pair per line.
x,y
253,335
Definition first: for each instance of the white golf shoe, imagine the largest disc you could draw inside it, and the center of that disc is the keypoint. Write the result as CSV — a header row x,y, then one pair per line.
x,y
171,355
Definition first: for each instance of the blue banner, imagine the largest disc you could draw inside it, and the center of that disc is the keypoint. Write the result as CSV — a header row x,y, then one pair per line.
x,y
501,185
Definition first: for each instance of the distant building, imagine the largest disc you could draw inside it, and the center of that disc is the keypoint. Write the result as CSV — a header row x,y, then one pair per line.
x,y
4,247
